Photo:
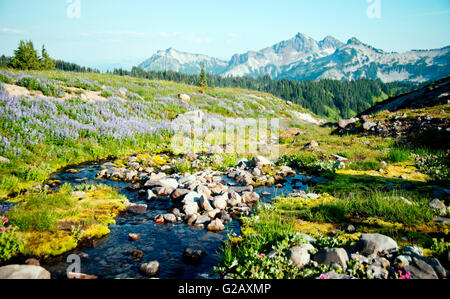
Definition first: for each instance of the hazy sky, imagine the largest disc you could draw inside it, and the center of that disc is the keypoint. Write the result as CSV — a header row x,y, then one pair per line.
x,y
129,31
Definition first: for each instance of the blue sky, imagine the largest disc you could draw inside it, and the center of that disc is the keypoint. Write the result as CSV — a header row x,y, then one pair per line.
x,y
129,31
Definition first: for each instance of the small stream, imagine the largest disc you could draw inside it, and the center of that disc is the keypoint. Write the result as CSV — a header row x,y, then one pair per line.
x,y
111,257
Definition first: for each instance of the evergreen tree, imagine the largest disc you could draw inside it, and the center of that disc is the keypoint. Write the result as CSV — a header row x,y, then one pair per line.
x,y
203,82
46,62
25,57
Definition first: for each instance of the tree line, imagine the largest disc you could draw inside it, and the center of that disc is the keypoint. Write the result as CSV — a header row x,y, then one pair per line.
x,y
26,57
327,98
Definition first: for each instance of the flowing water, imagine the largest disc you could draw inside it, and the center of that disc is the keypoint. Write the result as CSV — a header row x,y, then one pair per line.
x,y
111,257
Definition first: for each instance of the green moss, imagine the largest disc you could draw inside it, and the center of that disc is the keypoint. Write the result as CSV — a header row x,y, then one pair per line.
x,y
52,224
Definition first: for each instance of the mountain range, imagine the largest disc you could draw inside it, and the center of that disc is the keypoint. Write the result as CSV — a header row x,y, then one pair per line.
x,y
303,58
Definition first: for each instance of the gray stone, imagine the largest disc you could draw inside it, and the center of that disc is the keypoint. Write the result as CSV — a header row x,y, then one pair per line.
x,y
202,219
339,158
250,197
403,260
413,250
179,194
220,203
163,191
437,267
216,225
332,256
205,204
23,272
351,229
150,269
371,244
256,172
420,270
378,272
193,256
169,183
190,208
261,160
343,123
369,125
361,259
136,208
439,206
312,195
300,255
170,218
191,197
203,190
187,179
4,160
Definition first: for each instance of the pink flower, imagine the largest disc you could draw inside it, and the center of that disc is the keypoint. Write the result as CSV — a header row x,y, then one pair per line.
x,y
5,220
408,275
322,276
261,255
3,229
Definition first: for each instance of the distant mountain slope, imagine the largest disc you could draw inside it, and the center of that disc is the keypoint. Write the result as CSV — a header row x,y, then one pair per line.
x,y
303,58
173,60
437,93
419,117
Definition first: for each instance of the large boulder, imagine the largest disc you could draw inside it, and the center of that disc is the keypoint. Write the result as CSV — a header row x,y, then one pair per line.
x,y
23,272
371,244
343,123
331,257
300,255
260,160
419,269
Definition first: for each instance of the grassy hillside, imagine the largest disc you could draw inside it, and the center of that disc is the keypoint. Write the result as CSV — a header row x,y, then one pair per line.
x,y
69,118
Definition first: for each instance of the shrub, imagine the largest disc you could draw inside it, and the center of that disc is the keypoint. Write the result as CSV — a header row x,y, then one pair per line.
x,y
10,243
106,94
48,88
436,165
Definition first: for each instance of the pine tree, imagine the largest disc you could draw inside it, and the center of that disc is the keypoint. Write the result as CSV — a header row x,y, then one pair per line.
x,y
46,62
203,82
25,57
